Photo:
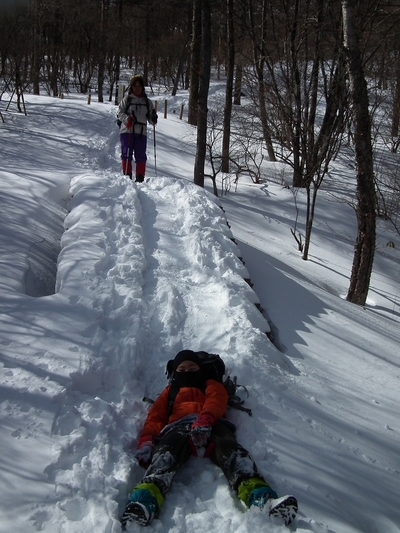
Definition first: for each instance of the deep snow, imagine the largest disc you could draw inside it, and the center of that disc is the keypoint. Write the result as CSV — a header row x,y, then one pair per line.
x,y
146,270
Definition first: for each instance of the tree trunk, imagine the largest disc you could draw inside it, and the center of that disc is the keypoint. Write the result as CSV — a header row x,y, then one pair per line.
x,y
203,94
195,64
229,90
101,57
365,210
238,85
259,63
396,102
36,61
264,115
180,70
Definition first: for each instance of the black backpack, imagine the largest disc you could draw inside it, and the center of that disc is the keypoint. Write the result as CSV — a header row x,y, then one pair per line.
x,y
213,367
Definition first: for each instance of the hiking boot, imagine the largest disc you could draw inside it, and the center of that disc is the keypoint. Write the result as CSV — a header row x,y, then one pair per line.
x,y
141,509
139,178
258,497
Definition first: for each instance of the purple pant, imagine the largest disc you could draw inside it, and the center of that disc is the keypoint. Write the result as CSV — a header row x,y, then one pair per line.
x,y
133,144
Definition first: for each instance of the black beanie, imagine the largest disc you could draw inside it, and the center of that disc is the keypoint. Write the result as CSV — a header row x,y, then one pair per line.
x,y
186,355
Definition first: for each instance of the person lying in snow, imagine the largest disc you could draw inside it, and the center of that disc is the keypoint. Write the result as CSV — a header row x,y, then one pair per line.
x,y
195,425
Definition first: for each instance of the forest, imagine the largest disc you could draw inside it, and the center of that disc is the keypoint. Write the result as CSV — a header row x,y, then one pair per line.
x,y
317,75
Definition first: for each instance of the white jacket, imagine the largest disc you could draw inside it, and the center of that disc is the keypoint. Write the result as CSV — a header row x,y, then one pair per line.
x,y
141,108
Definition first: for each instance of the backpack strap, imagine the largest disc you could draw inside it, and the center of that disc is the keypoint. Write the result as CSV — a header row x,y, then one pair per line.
x,y
126,112
237,403
172,394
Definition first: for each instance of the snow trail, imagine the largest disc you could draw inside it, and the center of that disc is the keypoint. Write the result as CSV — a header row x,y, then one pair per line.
x,y
74,364
154,273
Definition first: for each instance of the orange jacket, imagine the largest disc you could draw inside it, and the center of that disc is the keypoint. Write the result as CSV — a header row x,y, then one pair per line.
x,y
189,400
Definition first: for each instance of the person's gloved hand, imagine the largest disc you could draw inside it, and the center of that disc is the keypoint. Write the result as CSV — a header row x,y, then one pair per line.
x,y
154,117
200,431
144,451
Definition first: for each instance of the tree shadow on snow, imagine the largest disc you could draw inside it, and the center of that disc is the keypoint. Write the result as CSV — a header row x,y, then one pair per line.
x,y
289,305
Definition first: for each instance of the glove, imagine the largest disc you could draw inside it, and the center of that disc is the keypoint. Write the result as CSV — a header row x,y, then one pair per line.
x,y
131,120
144,451
154,117
200,431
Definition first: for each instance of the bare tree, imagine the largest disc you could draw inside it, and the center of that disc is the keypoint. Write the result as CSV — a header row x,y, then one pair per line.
x,y
245,148
203,93
258,33
103,27
366,217
229,88
302,72
184,52
237,92
195,63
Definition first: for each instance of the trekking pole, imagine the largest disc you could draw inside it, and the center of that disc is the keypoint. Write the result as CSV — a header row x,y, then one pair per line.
x,y
128,154
155,151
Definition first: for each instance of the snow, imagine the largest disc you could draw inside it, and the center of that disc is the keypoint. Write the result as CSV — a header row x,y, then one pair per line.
x,y
103,280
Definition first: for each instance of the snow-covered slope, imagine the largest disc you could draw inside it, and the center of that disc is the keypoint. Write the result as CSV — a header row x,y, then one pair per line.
x,y
144,271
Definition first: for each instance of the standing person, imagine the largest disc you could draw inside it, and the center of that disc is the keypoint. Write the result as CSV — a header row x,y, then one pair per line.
x,y
187,421
135,111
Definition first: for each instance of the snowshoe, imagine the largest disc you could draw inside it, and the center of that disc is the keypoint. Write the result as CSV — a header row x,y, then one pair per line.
x,y
285,508
136,513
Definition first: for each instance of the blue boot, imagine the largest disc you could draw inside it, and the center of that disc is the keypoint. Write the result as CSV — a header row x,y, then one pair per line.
x,y
258,497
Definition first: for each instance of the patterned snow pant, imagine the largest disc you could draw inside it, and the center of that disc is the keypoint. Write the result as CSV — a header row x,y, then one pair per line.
x,y
173,450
